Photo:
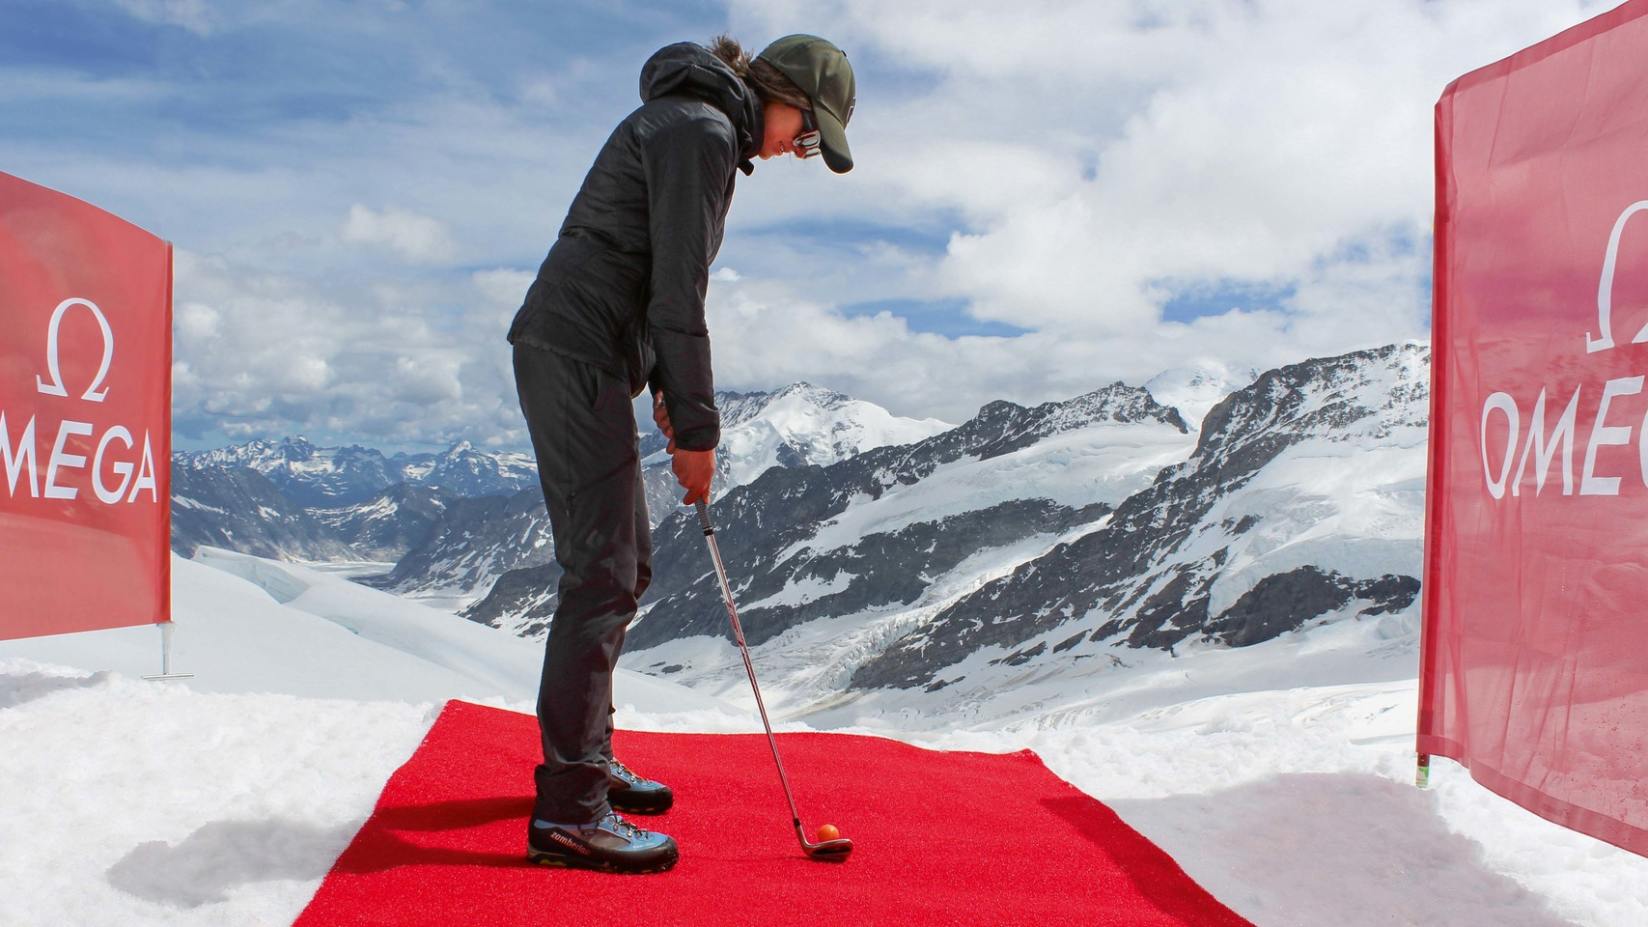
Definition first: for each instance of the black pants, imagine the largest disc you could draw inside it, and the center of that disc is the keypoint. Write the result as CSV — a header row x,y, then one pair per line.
x,y
583,432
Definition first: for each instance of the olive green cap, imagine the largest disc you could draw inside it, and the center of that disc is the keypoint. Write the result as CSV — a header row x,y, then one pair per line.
x,y
823,73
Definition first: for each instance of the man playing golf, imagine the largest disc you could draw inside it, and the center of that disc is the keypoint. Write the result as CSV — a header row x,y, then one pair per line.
x,y
618,305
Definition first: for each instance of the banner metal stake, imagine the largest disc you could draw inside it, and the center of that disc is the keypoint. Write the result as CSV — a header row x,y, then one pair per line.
x,y
1422,773
166,655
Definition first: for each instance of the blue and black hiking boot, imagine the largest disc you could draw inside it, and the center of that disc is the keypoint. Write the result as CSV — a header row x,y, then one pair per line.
x,y
627,791
611,844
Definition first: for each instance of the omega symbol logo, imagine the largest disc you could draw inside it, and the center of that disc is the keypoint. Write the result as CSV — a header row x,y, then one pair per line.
x,y
1543,445
1605,289
53,362
119,452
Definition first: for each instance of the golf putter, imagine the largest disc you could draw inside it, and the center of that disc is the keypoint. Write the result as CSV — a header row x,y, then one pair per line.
x,y
834,850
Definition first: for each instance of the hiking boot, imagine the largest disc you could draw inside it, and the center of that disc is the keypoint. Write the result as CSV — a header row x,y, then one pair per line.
x,y
611,844
627,791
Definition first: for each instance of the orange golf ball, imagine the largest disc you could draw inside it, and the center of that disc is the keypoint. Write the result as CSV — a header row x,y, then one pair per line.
x,y
828,832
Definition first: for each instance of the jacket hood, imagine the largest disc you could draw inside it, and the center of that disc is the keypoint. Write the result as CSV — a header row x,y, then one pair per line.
x,y
691,69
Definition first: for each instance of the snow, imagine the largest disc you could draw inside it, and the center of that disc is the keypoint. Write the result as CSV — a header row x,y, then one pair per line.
x,y
1194,390
1360,512
1279,775
156,803
823,431
225,798
1099,463
805,590
820,425
814,661
188,503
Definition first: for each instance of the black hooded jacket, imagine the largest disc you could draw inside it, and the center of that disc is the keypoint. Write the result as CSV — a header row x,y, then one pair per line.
x,y
623,286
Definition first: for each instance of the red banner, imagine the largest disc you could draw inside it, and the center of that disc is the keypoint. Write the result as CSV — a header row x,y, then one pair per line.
x,y
1535,661
85,416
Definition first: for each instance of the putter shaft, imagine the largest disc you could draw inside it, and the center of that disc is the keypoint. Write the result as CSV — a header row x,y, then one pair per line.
x,y
827,849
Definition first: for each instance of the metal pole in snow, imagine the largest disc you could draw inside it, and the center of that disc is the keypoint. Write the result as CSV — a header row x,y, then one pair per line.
x,y
166,655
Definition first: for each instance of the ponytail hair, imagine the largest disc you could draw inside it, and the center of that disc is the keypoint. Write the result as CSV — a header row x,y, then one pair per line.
x,y
768,82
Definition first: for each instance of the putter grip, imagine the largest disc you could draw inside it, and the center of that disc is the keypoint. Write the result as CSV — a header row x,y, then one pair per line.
x,y
704,517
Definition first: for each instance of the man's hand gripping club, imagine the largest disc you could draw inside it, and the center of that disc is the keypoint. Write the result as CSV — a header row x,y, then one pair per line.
x,y
694,469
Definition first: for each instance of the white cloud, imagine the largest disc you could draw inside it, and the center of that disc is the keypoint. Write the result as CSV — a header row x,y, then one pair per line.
x,y
545,88
503,286
1104,157
260,354
429,378
1065,166
766,334
196,16
195,321
418,238
17,84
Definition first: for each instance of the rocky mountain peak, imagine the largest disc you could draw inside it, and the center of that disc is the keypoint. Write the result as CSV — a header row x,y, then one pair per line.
x,y
1210,550
1117,402
1362,395
296,447
1195,388
1001,427
820,396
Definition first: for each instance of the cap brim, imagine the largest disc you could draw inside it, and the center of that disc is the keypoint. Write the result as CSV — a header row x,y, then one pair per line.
x,y
832,137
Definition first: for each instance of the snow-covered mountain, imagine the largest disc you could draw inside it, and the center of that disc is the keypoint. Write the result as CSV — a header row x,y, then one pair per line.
x,y
878,529
292,500
473,543
1023,537
241,509
804,425
468,471
1304,497
799,425
1033,544
796,426
1196,388
384,526
336,476
306,474
451,523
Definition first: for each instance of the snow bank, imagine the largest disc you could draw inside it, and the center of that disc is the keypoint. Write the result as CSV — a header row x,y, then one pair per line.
x,y
225,798
134,803
1277,774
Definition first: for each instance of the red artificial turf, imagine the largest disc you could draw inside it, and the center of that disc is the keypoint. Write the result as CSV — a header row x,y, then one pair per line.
x,y
939,838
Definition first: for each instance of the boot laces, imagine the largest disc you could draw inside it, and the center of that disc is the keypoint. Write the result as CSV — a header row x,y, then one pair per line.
x,y
616,823
624,772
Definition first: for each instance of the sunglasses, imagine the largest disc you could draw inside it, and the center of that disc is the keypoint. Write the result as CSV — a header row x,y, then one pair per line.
x,y
806,144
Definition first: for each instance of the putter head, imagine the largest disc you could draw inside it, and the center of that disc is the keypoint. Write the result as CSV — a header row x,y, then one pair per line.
x,y
830,850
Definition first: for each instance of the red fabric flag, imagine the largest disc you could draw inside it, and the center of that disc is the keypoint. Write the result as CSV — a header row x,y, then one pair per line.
x,y
85,416
1535,663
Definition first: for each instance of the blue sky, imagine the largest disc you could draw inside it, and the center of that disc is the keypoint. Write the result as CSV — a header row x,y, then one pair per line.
x,y
1049,196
